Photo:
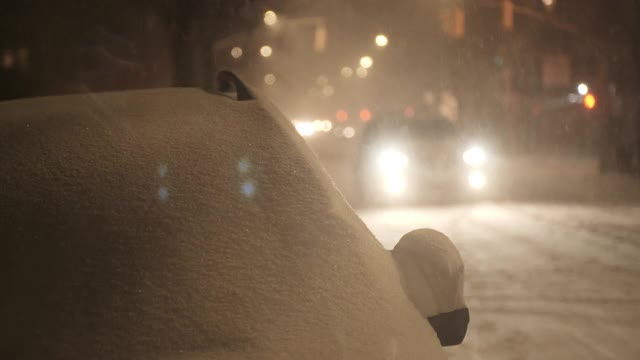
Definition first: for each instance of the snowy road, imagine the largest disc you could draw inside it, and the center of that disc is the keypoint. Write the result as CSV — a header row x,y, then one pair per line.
x,y
542,281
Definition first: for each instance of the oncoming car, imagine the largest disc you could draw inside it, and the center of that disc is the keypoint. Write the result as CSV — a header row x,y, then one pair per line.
x,y
425,158
180,224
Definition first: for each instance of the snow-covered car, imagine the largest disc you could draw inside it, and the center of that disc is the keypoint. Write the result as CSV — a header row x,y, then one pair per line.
x,y
180,224
424,158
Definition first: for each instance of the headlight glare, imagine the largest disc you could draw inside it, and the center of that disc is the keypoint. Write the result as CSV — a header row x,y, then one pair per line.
x,y
477,180
391,161
395,184
475,156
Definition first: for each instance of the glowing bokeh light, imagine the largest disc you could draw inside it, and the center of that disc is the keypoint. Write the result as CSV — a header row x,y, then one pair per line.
x,y
236,52
349,132
270,18
327,125
346,72
475,156
366,62
477,180
381,40
589,101
365,115
304,128
342,115
392,161
266,51
395,184
362,72
248,189
269,79
583,89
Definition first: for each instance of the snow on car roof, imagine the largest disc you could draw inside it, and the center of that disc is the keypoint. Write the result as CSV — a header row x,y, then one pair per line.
x,y
164,223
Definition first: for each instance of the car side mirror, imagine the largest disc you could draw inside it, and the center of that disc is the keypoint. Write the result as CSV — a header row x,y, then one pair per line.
x,y
432,275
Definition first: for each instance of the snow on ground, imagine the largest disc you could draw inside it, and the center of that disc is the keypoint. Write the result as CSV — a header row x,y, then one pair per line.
x,y
542,281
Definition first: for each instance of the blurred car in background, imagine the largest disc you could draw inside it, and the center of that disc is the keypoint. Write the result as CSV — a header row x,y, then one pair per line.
x,y
414,160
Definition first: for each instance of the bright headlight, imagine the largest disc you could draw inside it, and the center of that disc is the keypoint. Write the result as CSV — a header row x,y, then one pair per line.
x,y
305,128
475,156
391,161
477,180
395,184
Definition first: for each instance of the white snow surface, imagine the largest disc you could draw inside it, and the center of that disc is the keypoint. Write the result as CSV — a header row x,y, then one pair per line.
x,y
175,224
541,281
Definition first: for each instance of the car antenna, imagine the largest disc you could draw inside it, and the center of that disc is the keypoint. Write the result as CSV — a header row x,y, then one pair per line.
x,y
227,82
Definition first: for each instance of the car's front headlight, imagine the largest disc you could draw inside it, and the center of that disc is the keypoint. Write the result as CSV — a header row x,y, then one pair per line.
x,y
392,161
475,156
395,184
304,128
477,180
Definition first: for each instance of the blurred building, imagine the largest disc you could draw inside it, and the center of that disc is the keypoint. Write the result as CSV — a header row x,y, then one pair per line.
x,y
518,65
72,46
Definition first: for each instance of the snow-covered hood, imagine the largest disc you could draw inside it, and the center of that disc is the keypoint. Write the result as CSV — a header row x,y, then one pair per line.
x,y
177,224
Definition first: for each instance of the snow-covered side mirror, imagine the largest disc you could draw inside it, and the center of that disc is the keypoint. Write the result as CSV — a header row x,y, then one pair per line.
x,y
432,274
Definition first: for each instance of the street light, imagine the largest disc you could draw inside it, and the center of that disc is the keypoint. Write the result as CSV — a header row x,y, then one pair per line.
x,y
270,18
381,40
366,62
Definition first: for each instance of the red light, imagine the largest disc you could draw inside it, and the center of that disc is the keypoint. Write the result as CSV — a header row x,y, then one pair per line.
x,y
409,112
342,115
589,101
365,115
